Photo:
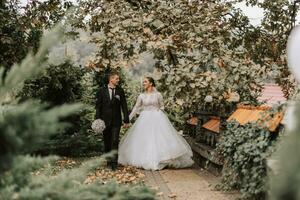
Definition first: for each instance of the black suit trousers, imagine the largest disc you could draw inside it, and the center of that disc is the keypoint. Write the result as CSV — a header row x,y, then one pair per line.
x,y
111,140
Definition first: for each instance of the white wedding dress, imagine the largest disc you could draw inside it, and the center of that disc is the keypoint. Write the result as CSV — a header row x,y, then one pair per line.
x,y
152,142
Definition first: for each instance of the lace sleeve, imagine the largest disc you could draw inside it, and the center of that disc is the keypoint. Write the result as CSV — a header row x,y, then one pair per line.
x,y
137,107
161,101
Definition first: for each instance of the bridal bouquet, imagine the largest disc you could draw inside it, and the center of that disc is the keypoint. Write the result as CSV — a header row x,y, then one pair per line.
x,y
98,126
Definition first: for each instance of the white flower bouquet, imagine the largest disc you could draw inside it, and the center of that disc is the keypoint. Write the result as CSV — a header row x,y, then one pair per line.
x,y
208,99
98,126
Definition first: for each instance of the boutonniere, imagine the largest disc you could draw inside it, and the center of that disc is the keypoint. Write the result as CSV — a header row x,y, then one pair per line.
x,y
117,97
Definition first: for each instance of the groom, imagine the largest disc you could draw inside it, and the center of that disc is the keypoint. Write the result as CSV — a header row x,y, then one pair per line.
x,y
110,101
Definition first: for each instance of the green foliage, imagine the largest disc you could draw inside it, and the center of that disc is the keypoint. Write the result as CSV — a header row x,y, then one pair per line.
x,y
32,178
267,42
224,53
195,59
35,125
285,182
30,67
245,150
21,168
59,85
12,36
25,124
29,122
21,27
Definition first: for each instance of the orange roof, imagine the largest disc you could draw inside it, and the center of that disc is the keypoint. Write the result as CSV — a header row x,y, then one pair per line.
x,y
246,114
213,124
193,121
271,94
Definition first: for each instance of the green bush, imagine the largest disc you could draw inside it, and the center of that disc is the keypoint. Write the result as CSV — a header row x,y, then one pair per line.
x,y
24,125
59,85
245,150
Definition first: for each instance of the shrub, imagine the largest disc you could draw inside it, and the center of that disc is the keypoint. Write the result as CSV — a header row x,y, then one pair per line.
x,y
245,150
59,85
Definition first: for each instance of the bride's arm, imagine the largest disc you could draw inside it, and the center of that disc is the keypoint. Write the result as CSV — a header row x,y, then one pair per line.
x,y
136,107
161,101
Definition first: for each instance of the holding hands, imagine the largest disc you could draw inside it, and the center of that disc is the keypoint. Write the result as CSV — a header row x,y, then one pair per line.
x,y
126,125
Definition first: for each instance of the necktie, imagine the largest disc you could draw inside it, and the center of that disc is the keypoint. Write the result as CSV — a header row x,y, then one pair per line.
x,y
112,92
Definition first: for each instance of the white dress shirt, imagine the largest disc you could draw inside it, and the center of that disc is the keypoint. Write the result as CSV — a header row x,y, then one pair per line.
x,y
111,91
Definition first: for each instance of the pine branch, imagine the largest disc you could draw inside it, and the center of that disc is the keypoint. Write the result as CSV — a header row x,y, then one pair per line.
x,y
31,66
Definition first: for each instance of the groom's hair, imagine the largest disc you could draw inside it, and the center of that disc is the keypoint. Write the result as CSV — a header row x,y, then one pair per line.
x,y
112,74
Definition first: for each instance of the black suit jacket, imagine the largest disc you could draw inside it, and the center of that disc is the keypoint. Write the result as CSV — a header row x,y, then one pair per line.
x,y
110,110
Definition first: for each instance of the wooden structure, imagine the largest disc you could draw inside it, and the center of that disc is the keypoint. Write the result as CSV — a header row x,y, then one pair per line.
x,y
211,132
205,127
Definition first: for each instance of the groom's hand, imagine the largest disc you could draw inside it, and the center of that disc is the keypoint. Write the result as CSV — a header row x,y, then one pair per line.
x,y
126,125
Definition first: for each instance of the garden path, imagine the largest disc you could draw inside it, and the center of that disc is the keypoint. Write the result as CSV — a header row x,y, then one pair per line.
x,y
186,184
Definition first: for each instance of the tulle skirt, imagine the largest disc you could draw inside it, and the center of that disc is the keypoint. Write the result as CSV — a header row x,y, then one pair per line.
x,y
153,143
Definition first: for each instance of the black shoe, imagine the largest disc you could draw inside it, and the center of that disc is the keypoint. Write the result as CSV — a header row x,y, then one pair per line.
x,y
114,166
108,164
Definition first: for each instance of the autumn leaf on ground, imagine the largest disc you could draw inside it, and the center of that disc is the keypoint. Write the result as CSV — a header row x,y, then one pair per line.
x,y
172,195
123,175
159,194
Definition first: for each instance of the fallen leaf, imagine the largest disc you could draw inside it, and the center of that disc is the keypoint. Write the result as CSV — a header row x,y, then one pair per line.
x,y
159,194
172,195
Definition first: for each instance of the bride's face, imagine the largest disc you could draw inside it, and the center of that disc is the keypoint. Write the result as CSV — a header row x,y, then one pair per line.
x,y
147,84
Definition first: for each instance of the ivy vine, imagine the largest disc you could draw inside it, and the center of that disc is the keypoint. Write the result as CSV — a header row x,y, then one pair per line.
x,y
245,150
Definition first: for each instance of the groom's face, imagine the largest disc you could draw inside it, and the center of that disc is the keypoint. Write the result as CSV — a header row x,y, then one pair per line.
x,y
115,80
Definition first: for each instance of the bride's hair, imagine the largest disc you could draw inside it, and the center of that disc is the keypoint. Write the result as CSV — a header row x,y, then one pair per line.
x,y
151,80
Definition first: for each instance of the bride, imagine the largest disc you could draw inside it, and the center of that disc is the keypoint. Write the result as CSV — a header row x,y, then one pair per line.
x,y
152,142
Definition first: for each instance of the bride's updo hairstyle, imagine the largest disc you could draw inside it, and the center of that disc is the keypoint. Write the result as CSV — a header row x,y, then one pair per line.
x,y
151,80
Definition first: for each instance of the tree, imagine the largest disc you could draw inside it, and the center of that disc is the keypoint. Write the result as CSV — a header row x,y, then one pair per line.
x,y
191,41
267,42
22,27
